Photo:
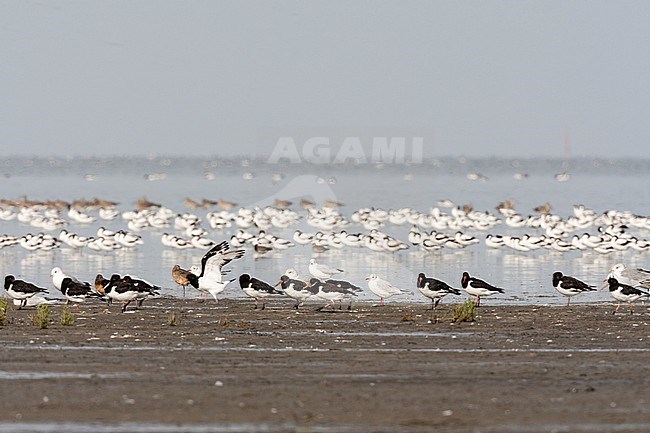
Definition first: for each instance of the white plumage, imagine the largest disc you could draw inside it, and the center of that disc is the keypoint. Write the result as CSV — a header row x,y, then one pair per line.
x,y
209,277
632,277
382,288
322,272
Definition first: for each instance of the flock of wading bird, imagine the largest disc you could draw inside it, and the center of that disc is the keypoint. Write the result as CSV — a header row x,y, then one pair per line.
x,y
625,285
559,234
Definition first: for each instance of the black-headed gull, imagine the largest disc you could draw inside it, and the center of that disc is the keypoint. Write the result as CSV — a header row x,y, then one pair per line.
x,y
322,272
383,288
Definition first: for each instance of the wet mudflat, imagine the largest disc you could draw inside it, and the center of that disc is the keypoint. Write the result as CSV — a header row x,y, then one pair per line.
x,y
398,368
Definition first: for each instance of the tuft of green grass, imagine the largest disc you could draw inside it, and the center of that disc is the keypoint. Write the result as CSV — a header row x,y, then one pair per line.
x,y
41,318
66,318
171,319
464,312
4,305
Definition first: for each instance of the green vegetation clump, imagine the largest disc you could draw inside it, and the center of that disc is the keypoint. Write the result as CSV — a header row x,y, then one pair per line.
x,y
464,312
66,318
42,317
4,305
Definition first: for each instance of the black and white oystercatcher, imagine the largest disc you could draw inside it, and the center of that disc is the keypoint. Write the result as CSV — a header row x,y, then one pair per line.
x,y
257,289
624,293
478,288
127,290
570,286
342,284
434,289
21,290
332,293
76,291
296,289
145,288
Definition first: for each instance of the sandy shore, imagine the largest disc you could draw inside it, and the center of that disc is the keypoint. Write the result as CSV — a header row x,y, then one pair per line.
x,y
398,368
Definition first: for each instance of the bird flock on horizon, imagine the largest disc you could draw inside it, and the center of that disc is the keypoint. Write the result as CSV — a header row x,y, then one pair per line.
x,y
458,228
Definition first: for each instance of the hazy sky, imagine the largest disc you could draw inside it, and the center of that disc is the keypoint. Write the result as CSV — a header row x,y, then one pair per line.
x,y
481,78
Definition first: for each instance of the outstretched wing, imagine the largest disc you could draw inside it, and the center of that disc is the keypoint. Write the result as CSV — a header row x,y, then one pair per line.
x,y
217,249
214,263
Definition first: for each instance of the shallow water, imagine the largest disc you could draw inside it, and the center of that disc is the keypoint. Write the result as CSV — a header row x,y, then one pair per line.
x,y
283,427
38,375
598,184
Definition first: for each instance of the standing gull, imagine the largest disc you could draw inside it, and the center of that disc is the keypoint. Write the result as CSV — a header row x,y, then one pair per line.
x,y
631,277
322,272
58,276
383,288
